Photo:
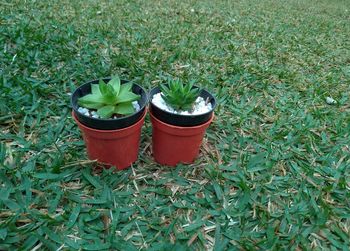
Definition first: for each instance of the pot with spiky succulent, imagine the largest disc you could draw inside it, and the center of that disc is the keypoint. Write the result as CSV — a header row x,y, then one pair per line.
x,y
180,115
110,113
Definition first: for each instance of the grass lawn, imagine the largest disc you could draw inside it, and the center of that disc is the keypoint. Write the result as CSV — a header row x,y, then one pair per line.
x,y
274,169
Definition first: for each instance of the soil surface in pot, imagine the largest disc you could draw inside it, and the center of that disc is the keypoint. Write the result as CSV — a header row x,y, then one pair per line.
x,y
200,106
92,113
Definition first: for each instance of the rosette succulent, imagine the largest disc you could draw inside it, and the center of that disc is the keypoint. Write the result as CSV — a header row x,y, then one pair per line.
x,y
178,95
110,98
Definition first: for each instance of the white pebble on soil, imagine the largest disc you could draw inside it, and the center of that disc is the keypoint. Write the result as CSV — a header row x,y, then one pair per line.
x,y
199,107
94,114
330,101
136,106
84,111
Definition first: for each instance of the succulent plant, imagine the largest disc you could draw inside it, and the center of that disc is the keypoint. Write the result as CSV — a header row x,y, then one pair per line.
x,y
110,98
178,95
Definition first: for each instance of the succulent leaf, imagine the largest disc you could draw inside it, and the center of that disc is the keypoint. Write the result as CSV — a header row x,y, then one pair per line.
x,y
115,84
126,87
102,87
125,94
124,108
106,111
91,101
127,97
95,89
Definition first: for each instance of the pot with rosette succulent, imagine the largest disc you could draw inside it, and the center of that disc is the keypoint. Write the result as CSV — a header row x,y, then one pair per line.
x,y
110,113
180,114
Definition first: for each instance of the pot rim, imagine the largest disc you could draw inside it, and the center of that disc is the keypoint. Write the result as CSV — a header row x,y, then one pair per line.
x,y
109,131
183,128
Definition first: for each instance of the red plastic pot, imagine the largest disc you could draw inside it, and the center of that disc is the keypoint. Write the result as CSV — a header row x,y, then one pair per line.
x,y
172,145
117,148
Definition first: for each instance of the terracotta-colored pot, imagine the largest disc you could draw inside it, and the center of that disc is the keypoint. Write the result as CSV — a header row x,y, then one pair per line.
x,y
117,148
172,145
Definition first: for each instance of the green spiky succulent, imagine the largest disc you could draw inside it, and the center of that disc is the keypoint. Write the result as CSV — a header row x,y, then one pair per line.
x,y
178,95
110,98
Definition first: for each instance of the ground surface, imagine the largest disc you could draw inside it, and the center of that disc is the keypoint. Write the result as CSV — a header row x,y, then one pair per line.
x,y
274,168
